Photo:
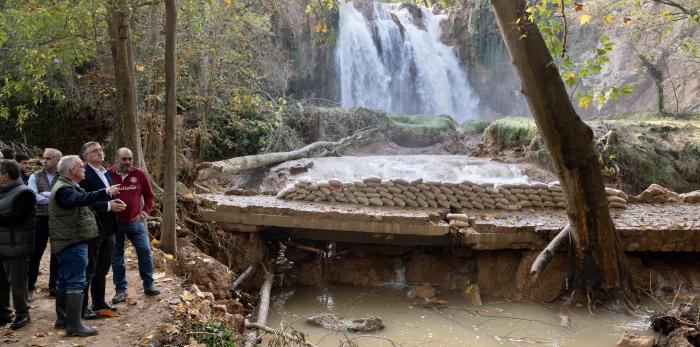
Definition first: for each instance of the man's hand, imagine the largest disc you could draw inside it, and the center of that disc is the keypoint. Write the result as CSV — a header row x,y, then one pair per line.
x,y
116,205
113,190
143,215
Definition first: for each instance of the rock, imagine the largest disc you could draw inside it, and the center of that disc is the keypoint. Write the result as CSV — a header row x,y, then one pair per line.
x,y
657,194
425,291
692,197
333,322
633,340
680,337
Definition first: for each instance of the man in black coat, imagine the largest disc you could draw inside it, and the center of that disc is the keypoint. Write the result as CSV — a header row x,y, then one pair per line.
x,y
17,208
99,249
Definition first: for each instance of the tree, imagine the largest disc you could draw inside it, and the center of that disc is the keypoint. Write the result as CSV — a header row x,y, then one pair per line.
x,y
168,238
600,265
119,27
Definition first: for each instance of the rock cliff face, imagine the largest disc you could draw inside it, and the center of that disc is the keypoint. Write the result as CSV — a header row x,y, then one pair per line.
x,y
470,28
312,61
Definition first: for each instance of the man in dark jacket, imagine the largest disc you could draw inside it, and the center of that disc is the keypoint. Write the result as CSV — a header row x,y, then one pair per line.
x,y
100,248
17,208
72,225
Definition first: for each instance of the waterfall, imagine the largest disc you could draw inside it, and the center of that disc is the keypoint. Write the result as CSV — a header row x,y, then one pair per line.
x,y
387,58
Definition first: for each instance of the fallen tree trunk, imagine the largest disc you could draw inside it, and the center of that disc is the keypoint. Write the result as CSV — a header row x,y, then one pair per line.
x,y
263,308
270,330
546,255
237,165
237,282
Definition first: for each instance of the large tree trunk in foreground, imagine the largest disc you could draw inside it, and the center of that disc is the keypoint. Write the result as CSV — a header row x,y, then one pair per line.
x,y
600,263
168,238
119,25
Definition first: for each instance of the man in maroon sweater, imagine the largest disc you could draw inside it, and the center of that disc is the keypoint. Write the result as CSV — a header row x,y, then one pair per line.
x,y
134,185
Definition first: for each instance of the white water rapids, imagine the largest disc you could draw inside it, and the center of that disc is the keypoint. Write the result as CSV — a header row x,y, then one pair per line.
x,y
387,59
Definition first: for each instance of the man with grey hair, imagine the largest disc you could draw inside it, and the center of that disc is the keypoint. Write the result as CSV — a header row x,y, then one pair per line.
x,y
100,248
72,225
17,207
41,182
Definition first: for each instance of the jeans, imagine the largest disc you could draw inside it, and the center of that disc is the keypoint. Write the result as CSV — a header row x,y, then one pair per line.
x,y
41,228
72,262
138,235
13,279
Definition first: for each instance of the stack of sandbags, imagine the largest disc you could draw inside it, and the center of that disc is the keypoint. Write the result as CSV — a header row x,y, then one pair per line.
x,y
456,196
458,220
616,198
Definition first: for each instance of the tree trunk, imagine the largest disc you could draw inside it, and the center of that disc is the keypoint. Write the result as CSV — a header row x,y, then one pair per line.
x,y
168,238
600,262
237,165
119,22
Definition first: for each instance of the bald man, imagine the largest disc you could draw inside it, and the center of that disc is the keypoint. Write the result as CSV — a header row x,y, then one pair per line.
x,y
134,185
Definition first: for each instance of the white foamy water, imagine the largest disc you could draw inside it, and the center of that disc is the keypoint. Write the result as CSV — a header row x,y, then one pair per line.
x,y
442,168
387,59
496,323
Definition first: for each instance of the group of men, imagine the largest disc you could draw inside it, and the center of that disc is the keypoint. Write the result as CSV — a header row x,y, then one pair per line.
x,y
87,212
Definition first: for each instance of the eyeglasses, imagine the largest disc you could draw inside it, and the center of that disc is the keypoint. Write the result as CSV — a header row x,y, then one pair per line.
x,y
82,167
97,150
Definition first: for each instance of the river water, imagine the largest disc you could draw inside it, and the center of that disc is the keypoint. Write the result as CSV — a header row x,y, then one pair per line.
x,y
496,323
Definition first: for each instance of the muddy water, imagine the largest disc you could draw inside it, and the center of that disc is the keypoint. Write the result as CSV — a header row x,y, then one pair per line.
x,y
496,323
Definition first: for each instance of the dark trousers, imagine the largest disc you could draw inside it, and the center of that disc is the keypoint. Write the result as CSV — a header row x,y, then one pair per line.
x,y
13,278
41,228
99,261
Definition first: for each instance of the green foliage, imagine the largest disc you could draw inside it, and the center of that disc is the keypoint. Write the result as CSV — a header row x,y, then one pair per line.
x,y
322,15
551,20
511,132
213,334
650,149
419,130
243,127
474,126
41,39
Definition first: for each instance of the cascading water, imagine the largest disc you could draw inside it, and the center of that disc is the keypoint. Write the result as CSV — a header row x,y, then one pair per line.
x,y
388,59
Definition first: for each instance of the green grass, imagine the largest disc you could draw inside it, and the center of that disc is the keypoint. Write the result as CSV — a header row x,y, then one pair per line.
x,y
510,132
474,126
419,130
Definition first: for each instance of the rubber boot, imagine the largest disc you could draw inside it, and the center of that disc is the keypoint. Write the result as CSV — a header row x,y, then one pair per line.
x,y
74,307
60,310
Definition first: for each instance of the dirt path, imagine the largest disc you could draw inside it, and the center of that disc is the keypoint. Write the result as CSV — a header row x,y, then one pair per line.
x,y
140,316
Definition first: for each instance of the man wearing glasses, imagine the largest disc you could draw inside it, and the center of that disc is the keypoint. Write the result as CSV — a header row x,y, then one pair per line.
x,y
72,225
99,248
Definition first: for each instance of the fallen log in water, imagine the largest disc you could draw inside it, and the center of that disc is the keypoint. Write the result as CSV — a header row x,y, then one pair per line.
x,y
263,308
270,330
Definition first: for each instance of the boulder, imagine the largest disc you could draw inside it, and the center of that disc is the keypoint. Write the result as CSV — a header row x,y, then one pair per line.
x,y
657,194
426,291
692,197
633,340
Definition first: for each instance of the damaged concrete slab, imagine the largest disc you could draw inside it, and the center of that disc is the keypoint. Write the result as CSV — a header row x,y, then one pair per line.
x,y
670,227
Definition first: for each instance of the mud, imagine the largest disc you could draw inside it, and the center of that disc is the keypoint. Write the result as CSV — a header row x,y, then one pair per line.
x,y
499,274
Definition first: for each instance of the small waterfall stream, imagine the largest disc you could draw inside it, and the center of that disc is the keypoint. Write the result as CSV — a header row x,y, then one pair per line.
x,y
389,59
